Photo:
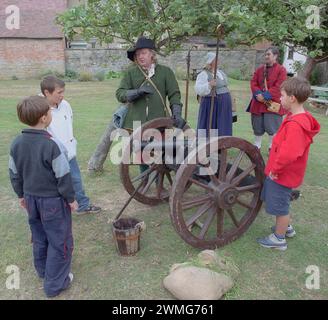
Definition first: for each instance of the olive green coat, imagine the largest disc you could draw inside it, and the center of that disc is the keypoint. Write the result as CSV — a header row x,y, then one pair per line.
x,y
150,106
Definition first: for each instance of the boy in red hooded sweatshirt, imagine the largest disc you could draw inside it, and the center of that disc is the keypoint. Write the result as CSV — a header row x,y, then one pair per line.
x,y
286,165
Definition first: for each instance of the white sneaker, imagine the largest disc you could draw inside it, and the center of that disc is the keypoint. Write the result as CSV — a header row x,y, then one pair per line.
x,y
257,146
71,277
273,242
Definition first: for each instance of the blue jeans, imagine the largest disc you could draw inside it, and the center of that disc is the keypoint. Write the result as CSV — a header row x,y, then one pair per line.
x,y
80,196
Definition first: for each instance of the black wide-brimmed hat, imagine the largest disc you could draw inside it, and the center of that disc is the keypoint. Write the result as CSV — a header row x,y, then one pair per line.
x,y
142,43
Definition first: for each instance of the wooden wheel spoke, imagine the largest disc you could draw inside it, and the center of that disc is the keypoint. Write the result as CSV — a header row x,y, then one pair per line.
x,y
243,175
201,184
143,174
244,204
223,165
220,222
149,183
233,217
235,165
250,187
207,223
212,176
196,202
168,175
160,187
200,211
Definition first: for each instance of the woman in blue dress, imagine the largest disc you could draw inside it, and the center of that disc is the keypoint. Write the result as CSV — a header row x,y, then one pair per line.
x,y
222,109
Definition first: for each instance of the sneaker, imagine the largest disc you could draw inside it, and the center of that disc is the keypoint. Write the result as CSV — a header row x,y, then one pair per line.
x,y
71,277
273,242
90,209
259,148
295,194
290,233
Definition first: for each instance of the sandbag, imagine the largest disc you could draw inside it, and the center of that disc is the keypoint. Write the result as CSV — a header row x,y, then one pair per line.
x,y
194,283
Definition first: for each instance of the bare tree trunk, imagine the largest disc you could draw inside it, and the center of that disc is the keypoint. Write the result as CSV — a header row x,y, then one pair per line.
x,y
309,65
99,156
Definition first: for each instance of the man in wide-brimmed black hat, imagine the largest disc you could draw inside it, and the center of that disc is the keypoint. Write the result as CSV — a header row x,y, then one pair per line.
x,y
146,85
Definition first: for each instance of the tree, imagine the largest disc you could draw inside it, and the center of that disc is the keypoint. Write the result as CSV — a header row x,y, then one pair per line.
x,y
97,160
301,23
167,22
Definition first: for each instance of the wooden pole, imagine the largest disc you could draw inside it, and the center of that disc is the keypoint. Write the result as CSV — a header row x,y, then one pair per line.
x,y
219,31
187,82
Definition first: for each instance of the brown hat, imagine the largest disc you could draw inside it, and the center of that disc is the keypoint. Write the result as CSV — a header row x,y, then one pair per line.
x,y
142,43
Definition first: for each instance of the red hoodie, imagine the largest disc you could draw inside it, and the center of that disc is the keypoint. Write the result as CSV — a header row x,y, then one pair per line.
x,y
290,149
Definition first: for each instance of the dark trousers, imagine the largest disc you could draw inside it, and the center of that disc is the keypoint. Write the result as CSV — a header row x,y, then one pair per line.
x,y
50,222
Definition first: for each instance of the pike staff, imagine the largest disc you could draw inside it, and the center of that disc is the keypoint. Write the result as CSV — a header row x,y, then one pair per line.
x,y
219,31
187,82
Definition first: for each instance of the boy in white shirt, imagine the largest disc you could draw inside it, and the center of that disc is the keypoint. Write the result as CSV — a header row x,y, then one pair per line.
x,y
61,127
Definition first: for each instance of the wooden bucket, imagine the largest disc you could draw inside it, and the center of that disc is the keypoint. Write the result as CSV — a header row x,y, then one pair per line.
x,y
126,233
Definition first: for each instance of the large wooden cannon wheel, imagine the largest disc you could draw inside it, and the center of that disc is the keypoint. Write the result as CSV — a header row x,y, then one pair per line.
x,y
222,202
159,177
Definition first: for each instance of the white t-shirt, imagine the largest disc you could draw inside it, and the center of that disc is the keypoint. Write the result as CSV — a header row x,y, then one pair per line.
x,y
61,127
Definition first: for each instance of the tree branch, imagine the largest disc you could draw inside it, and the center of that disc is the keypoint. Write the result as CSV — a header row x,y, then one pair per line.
x,y
321,59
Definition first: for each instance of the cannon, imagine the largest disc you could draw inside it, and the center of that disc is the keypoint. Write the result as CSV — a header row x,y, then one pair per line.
x,y
210,205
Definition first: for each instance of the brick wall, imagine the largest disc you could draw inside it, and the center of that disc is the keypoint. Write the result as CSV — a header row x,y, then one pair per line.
x,y
26,58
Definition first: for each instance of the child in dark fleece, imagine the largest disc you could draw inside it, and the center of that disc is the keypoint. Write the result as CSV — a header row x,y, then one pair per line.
x,y
40,175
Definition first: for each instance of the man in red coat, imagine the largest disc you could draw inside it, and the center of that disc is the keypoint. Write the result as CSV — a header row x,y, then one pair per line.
x,y
264,120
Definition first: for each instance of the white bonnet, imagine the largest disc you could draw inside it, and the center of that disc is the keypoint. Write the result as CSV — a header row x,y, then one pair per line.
x,y
210,56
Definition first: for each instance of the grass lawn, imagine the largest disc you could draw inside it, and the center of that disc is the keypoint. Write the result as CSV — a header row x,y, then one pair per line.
x,y
101,273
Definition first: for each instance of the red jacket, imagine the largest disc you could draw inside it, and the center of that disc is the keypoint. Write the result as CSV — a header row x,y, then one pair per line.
x,y
290,149
276,76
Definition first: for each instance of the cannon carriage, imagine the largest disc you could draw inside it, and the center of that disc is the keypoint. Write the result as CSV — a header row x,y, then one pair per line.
x,y
214,194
